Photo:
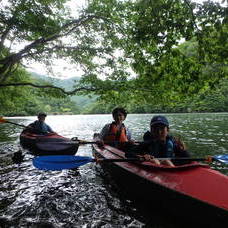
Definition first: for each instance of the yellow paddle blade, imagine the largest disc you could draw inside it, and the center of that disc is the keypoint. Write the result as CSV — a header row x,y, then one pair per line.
x,y
2,120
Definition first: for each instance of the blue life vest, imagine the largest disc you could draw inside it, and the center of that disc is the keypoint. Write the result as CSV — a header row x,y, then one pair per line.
x,y
161,150
169,148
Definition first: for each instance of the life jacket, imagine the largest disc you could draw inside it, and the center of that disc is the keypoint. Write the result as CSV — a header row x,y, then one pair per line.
x,y
115,134
169,149
162,150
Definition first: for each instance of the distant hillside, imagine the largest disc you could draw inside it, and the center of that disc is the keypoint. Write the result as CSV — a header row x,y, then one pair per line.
x,y
64,83
67,84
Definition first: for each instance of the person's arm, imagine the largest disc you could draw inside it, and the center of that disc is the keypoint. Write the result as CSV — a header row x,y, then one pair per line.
x,y
31,125
180,150
49,129
137,150
104,131
30,128
133,151
101,136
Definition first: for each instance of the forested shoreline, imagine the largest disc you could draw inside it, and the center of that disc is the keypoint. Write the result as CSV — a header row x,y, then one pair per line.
x,y
27,101
31,103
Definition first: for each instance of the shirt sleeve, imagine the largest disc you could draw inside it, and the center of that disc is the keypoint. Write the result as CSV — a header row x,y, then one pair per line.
x,y
104,131
49,128
31,125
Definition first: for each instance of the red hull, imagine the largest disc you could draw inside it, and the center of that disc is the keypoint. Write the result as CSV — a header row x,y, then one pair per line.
x,y
194,187
51,144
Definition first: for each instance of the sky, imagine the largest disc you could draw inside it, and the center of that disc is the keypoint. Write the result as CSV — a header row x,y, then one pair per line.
x,y
61,68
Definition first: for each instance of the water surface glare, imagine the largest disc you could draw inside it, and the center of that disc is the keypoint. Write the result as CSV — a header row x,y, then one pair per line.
x,y
84,198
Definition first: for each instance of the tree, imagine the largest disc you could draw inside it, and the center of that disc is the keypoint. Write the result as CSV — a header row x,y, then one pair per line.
x,y
149,35
47,31
115,38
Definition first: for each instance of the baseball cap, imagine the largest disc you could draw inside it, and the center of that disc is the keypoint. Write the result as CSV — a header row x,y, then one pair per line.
x,y
159,120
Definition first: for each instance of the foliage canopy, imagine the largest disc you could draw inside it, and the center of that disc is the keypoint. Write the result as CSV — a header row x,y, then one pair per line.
x,y
132,49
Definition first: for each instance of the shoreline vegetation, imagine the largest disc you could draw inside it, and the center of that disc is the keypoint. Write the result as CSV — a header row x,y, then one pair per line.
x,y
71,114
214,101
29,103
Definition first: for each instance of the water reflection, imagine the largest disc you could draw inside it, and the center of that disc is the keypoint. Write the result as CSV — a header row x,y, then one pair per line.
x,y
83,197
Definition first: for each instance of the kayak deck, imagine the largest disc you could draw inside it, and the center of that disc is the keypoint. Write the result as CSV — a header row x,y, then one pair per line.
x,y
51,144
195,184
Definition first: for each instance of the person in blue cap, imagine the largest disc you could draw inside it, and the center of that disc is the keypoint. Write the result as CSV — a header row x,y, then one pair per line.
x,y
159,144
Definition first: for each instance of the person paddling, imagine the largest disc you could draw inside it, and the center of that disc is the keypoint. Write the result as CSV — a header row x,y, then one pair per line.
x,y
157,143
39,126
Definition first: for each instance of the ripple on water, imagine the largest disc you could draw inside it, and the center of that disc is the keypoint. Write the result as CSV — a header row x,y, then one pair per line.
x,y
85,197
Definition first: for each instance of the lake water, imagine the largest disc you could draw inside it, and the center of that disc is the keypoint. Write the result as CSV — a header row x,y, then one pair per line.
x,y
35,198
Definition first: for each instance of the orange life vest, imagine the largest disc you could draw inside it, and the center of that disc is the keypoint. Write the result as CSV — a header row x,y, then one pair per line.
x,y
116,134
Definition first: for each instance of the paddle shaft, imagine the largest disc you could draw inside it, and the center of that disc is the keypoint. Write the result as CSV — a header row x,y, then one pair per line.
x,y
106,160
83,142
207,159
117,159
184,159
141,159
78,142
21,125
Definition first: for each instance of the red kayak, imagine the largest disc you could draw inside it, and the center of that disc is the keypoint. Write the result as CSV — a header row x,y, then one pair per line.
x,y
50,144
193,190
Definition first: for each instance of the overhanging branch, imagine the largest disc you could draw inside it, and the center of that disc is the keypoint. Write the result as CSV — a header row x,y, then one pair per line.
x,y
79,89
50,87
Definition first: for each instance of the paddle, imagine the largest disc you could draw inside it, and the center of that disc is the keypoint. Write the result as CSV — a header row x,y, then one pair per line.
x,y
79,141
68,142
60,162
2,120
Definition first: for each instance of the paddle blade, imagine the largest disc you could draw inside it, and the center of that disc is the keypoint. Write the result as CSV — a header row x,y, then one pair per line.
x,y
60,162
223,158
2,120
